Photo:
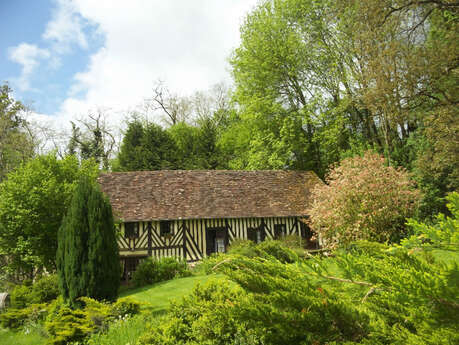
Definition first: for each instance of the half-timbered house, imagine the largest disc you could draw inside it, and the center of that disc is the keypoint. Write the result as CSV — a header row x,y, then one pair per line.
x,y
192,214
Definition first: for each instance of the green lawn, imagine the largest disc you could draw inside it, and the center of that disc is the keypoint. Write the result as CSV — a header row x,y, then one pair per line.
x,y
159,295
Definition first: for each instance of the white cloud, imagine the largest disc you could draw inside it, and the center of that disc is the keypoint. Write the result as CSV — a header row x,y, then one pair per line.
x,y
184,43
66,27
29,56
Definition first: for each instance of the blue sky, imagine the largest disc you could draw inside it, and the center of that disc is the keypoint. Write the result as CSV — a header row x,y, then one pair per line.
x,y
67,58
47,85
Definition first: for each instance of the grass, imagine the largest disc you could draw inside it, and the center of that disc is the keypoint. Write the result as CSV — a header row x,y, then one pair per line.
x,y
159,295
34,337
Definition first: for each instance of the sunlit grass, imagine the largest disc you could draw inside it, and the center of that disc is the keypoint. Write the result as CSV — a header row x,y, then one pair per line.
x,y
159,295
21,337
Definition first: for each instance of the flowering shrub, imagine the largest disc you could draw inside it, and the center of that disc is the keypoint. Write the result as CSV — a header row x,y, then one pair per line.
x,y
363,199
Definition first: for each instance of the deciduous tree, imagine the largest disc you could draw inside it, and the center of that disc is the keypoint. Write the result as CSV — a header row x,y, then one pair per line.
x,y
363,199
33,200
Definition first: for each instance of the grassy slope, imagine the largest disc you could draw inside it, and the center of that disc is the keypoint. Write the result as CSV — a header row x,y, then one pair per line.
x,y
157,297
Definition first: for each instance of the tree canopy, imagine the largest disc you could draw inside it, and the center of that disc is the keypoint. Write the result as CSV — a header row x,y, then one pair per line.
x,y
33,200
16,144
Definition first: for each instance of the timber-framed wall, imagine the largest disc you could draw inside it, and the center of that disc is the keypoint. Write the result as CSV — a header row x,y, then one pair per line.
x,y
193,239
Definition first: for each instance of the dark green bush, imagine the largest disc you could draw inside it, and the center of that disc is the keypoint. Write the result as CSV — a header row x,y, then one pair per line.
x,y
43,290
152,270
20,296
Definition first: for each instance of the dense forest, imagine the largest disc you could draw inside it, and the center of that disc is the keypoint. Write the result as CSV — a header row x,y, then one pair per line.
x,y
363,93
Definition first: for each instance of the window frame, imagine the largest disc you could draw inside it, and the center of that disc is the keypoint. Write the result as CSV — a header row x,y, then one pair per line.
x,y
283,231
133,232
162,225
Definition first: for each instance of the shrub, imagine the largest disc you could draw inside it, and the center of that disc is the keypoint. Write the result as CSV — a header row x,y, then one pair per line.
x,y
363,200
152,270
16,318
277,250
43,290
125,307
21,296
243,247
207,264
68,325
203,317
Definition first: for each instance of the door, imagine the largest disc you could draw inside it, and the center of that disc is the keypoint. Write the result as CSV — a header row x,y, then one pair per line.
x,y
217,240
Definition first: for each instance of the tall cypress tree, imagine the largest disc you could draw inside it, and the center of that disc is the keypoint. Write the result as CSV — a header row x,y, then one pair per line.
x,y
87,255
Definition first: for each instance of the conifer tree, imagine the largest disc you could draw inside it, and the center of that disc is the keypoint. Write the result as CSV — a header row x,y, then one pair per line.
x,y
87,255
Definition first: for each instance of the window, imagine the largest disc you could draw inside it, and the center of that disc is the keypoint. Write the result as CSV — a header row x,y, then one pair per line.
x,y
279,230
131,230
220,245
165,228
258,235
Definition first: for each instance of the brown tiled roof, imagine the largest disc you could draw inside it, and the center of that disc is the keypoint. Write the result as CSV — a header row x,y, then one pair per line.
x,y
192,194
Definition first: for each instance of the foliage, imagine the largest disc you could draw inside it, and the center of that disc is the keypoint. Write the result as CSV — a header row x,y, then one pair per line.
x,y
125,307
363,199
277,250
65,324
153,270
95,141
368,293
443,234
15,318
318,81
16,141
121,332
146,146
220,314
33,200
43,290
199,317
87,255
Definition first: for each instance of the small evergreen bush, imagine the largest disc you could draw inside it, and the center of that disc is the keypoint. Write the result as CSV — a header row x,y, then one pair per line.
x,y
66,325
125,307
277,250
152,270
16,318
243,247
